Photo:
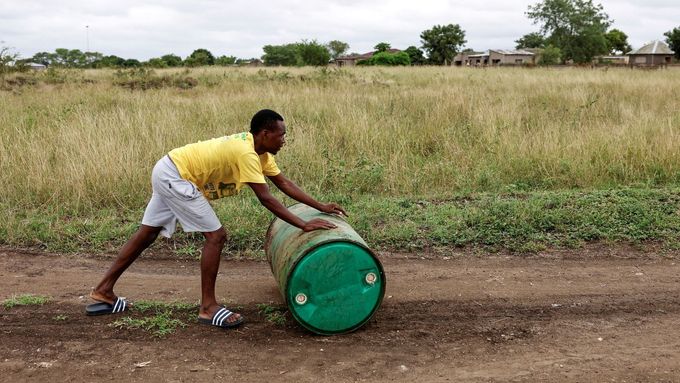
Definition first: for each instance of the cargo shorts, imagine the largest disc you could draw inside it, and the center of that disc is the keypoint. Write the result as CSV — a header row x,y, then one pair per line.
x,y
176,199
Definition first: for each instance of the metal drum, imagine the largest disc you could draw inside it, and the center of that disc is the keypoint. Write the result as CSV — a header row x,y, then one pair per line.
x,y
331,281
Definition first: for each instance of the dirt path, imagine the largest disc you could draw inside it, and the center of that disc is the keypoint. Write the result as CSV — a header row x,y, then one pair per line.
x,y
561,317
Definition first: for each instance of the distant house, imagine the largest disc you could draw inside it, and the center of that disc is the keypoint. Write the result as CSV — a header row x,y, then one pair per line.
x,y
463,58
36,66
496,57
614,60
656,53
351,60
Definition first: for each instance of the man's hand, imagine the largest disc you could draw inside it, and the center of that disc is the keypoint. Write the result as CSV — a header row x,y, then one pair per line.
x,y
318,224
333,208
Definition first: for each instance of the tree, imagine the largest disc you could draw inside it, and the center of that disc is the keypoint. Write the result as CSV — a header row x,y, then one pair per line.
x,y
337,48
577,27
225,60
172,60
131,63
387,59
200,57
44,58
673,41
530,40
312,53
156,63
415,55
285,55
550,56
111,62
617,42
7,59
442,42
382,47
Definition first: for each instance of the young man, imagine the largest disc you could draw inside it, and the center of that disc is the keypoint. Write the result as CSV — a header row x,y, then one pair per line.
x,y
184,180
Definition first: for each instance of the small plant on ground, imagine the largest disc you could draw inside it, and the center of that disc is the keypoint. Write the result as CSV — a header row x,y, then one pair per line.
x,y
159,325
273,314
25,300
60,317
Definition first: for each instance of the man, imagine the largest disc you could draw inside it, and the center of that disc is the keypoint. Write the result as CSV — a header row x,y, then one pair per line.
x,y
184,180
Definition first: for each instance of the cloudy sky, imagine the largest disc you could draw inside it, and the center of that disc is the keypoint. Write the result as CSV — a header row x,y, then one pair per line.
x,y
143,29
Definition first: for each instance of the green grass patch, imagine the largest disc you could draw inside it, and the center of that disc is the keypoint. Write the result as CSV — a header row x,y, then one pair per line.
x,y
25,300
160,324
272,314
158,318
516,221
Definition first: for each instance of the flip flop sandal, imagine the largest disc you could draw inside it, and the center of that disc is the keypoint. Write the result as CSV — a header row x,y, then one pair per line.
x,y
219,319
103,308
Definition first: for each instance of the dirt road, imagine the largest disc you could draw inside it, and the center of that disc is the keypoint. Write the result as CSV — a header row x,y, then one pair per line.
x,y
582,316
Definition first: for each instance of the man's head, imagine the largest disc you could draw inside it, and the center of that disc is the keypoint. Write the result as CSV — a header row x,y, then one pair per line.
x,y
269,131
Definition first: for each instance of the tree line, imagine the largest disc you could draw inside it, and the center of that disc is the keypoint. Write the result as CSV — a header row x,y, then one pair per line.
x,y
569,31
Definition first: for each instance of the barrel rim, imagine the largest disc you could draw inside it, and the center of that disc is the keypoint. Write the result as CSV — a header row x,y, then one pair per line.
x,y
381,296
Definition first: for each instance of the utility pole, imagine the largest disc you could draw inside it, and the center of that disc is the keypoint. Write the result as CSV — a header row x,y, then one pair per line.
x,y
87,38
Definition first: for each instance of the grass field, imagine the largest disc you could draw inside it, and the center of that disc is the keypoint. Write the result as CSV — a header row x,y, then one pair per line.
x,y
423,157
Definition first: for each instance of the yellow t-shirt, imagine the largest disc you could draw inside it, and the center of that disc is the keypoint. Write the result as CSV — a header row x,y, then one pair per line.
x,y
221,166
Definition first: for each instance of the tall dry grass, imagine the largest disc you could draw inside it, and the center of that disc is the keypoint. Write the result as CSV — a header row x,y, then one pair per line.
x,y
400,131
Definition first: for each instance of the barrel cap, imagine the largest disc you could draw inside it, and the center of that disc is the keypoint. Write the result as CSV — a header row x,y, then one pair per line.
x,y
335,288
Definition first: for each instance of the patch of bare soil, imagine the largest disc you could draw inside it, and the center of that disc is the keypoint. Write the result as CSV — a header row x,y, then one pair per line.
x,y
558,317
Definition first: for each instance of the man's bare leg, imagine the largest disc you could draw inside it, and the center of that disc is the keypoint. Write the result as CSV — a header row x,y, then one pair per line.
x,y
210,264
139,242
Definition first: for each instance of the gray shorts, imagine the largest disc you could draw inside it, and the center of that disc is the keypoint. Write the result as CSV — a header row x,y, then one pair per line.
x,y
176,199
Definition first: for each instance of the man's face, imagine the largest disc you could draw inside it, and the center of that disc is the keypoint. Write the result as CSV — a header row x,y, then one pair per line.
x,y
275,137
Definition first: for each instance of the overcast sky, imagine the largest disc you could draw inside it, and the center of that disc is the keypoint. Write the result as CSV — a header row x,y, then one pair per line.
x,y
143,29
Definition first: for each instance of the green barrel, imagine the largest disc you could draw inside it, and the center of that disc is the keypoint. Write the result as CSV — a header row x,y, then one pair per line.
x,y
331,281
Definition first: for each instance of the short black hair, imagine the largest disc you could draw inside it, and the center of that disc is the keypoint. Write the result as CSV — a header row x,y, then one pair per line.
x,y
263,119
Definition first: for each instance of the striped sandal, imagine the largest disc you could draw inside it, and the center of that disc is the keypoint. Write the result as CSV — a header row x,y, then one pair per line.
x,y
219,319
103,308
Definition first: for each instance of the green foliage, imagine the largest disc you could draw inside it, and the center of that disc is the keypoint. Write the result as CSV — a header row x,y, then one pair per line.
x,y
312,53
673,41
172,60
415,55
309,53
337,48
158,306
225,60
280,55
60,317
132,63
110,62
577,27
617,42
272,314
388,59
7,59
442,43
156,63
530,40
382,47
25,300
550,55
159,325
200,57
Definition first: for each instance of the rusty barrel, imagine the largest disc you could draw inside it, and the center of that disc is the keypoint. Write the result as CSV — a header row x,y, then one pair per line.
x,y
331,281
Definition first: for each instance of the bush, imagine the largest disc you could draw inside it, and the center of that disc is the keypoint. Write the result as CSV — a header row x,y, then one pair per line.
x,y
387,59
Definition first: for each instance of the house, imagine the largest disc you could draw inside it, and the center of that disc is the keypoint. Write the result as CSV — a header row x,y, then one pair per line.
x,y
653,54
497,57
463,58
36,66
613,60
353,59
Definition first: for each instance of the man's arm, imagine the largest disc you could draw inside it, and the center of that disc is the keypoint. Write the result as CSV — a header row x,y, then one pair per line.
x,y
293,191
272,204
